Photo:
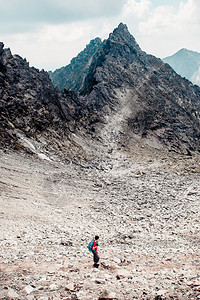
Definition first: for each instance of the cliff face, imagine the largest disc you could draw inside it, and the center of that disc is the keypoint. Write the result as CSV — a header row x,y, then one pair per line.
x,y
29,103
186,63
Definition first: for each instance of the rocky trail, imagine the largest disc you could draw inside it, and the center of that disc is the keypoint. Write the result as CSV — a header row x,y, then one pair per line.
x,y
145,210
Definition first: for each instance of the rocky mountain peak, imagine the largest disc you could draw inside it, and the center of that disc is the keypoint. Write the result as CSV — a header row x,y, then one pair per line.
x,y
78,75
120,31
121,35
187,52
183,50
135,95
140,96
186,63
127,97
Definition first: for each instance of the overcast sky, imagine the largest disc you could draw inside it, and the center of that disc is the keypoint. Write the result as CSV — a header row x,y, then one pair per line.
x,y
49,33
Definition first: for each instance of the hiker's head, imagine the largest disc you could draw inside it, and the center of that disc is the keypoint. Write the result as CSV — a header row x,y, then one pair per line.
x,y
96,237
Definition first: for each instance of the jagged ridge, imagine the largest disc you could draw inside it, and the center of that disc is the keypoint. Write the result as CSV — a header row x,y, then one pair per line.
x,y
127,97
29,102
72,76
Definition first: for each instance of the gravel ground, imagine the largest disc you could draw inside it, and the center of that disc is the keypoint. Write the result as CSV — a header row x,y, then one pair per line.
x,y
145,208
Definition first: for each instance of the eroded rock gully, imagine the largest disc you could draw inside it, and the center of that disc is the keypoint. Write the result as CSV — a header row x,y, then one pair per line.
x,y
145,210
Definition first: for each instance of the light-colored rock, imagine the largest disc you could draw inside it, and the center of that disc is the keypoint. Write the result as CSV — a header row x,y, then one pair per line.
x,y
122,273
100,280
82,295
28,289
53,287
117,260
30,297
43,156
161,292
69,286
106,294
12,294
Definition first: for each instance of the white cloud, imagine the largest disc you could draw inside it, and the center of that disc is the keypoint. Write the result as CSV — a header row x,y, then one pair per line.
x,y
134,9
18,15
164,30
50,32
53,46
165,19
160,20
189,15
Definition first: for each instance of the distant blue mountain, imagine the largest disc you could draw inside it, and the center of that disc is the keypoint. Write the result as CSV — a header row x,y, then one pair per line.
x,y
186,63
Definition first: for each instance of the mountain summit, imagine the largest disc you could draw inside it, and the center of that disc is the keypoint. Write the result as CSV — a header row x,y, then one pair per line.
x,y
79,70
133,97
122,34
186,63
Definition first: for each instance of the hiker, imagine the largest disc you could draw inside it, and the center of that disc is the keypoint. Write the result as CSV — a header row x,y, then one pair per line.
x,y
93,248
95,252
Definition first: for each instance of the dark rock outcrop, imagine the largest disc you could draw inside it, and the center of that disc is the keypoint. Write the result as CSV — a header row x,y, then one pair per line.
x,y
29,103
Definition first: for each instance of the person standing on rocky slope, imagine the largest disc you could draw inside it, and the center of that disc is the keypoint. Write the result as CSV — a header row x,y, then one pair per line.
x,y
95,252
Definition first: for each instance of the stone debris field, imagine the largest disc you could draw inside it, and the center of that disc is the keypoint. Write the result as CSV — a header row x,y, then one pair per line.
x,y
145,211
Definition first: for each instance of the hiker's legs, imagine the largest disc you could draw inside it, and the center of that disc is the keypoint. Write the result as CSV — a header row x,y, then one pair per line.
x,y
96,259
